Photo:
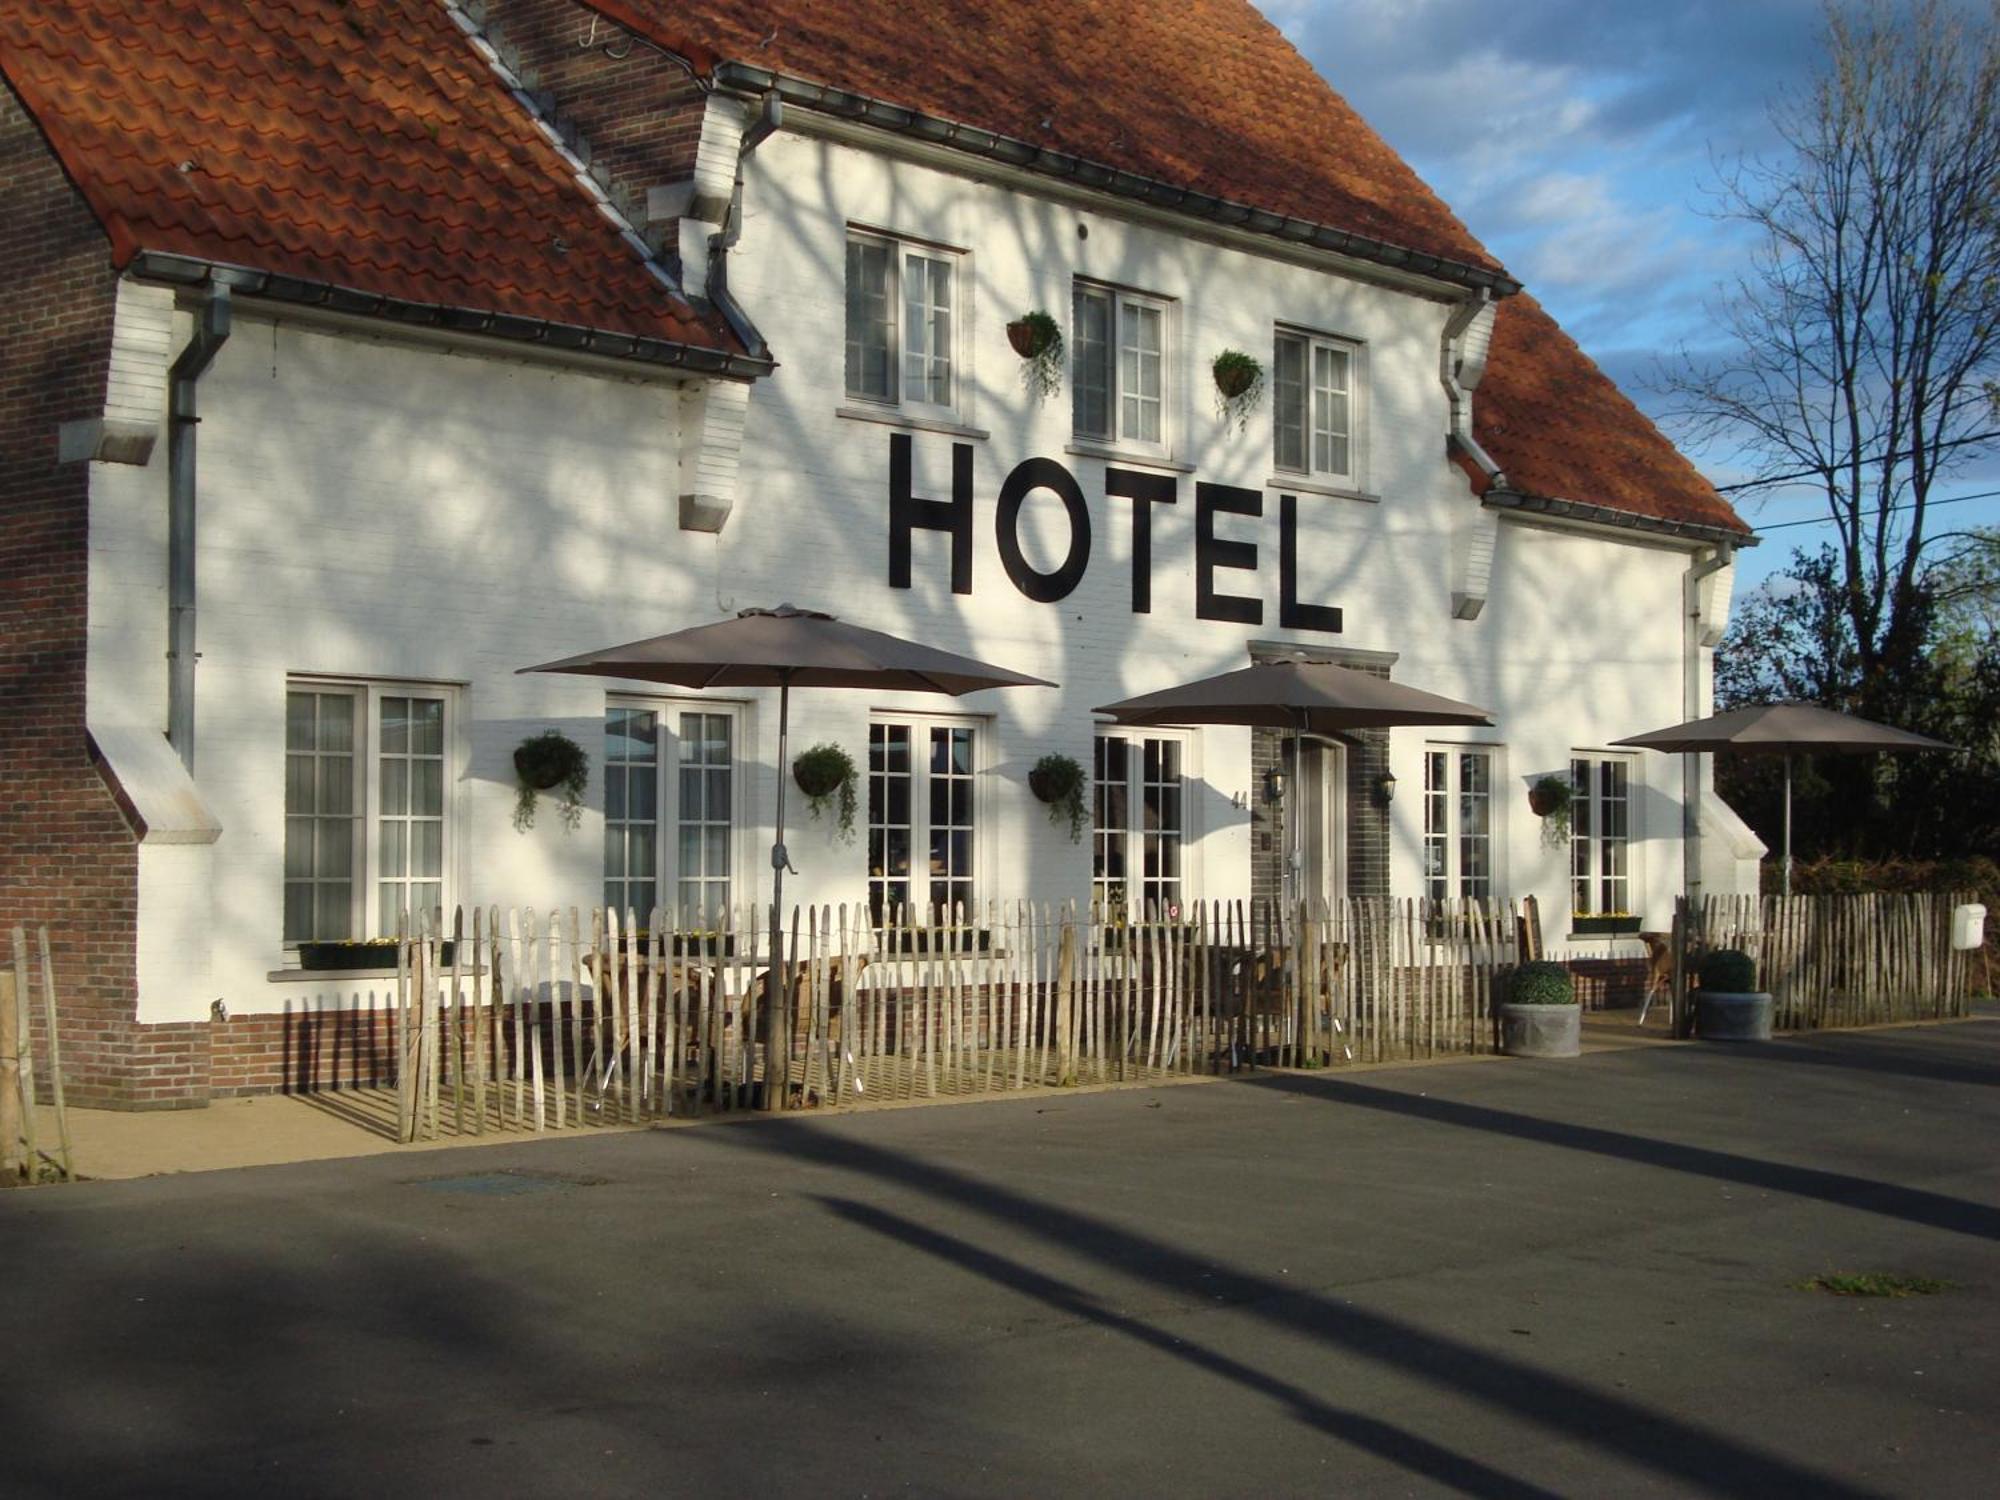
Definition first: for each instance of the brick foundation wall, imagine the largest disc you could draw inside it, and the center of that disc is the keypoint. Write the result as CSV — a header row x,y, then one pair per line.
x,y
68,854
1608,983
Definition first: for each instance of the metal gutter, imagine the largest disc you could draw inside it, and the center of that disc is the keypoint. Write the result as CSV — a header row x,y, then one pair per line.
x,y
211,332
184,270
1083,172
1604,515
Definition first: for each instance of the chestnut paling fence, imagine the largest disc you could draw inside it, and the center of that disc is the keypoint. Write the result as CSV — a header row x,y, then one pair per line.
x,y
534,1020
1837,960
28,986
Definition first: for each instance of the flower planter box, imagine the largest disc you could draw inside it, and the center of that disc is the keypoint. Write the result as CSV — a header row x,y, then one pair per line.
x,y
345,957
1604,926
700,945
1722,1016
923,941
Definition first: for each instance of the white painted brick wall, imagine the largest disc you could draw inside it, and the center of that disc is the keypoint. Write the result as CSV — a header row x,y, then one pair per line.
x,y
375,509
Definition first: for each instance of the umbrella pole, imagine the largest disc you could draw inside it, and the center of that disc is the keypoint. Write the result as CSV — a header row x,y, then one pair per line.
x,y
1296,871
1787,865
777,1052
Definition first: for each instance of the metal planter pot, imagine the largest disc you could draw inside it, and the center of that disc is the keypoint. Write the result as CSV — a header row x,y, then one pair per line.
x,y
1541,1030
1720,1016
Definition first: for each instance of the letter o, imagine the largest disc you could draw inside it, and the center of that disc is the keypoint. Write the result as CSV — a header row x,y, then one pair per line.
x,y
1029,475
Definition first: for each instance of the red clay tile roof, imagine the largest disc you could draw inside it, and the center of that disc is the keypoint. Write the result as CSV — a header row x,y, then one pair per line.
x,y
1561,430
366,146
1202,94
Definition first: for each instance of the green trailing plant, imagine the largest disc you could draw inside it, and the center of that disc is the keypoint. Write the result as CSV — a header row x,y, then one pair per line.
x,y
825,772
1038,339
1062,784
1239,385
1540,983
1549,799
1729,971
547,762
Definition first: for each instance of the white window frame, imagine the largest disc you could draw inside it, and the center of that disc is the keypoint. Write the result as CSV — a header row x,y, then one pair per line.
x,y
1134,832
922,901
1450,796
1354,476
1588,803
1117,438
902,250
666,875
366,866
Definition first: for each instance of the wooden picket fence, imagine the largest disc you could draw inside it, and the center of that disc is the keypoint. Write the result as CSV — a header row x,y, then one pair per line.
x,y
28,985
536,1021
1840,960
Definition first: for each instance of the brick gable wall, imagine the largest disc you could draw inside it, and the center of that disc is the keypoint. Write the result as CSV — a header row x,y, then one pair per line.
x,y
638,112
68,857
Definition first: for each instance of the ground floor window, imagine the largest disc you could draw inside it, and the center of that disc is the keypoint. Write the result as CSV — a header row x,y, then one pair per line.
x,y
1601,838
922,816
1458,822
367,808
1138,823
669,811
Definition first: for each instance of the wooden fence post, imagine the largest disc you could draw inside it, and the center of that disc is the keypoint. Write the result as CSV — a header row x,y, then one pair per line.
x,y
10,1081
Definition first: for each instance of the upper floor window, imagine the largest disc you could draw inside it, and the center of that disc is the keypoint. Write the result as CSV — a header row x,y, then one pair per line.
x,y
1118,375
367,808
1315,401
902,323
1458,823
669,811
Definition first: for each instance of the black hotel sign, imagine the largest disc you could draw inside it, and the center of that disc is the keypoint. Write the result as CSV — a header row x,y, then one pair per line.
x,y
1213,555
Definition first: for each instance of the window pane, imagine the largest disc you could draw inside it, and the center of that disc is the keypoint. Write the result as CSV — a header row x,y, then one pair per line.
x,y
1090,363
319,804
927,329
870,321
1288,401
1140,346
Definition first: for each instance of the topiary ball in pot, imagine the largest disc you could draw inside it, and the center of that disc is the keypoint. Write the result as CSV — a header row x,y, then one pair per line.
x,y
1729,1007
1729,971
1540,983
1539,1016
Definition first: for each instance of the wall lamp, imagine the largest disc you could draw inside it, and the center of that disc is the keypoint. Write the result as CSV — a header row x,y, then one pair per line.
x,y
1274,785
1385,788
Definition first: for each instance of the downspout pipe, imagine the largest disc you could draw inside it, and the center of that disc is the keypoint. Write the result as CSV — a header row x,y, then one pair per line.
x,y
1461,365
211,332
1705,563
770,116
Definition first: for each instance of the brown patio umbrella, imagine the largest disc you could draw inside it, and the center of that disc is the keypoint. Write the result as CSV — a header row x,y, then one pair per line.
x,y
1785,729
783,648
1316,697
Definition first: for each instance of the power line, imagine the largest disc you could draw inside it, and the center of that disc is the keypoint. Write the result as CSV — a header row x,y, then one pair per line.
x,y
1869,515
1751,484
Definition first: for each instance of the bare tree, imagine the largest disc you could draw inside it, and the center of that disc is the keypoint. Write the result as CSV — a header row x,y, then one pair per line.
x,y
1865,335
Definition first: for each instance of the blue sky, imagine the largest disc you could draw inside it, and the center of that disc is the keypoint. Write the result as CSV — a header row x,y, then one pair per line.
x,y
1576,138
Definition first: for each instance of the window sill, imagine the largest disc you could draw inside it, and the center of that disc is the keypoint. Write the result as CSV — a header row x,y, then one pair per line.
x,y
891,417
1297,484
1127,456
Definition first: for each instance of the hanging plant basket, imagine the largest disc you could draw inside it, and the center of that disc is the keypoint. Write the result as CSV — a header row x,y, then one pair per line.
x,y
1239,385
547,762
1549,800
826,772
1059,782
1038,339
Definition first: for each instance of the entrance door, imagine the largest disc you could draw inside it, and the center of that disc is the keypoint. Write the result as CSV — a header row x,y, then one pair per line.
x,y
1323,819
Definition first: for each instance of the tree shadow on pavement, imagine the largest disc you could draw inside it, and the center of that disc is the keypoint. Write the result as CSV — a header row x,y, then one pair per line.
x,y
1690,1455
1864,1194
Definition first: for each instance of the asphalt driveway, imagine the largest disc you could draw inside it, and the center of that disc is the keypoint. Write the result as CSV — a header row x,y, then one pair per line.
x,y
1575,1278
